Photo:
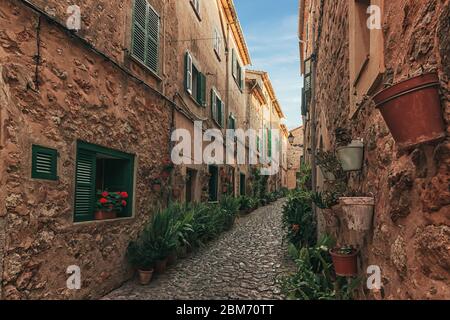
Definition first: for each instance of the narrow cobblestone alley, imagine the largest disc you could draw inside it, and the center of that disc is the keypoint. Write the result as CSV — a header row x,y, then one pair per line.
x,y
244,263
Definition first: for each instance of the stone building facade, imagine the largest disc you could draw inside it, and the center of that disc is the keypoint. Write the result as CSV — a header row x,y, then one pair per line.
x,y
410,237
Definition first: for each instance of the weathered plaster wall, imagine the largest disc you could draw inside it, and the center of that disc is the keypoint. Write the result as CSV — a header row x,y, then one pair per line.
x,y
411,234
81,96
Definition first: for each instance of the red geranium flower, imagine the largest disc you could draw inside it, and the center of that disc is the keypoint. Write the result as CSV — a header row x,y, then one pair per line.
x,y
103,200
124,203
105,194
124,195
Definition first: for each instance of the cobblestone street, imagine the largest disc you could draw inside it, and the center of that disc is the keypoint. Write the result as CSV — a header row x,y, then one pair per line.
x,y
244,263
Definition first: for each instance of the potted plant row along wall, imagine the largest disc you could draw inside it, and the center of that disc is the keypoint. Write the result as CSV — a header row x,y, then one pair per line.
x,y
412,110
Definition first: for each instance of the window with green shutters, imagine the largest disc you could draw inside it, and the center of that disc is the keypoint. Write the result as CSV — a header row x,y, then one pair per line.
x,y
269,137
237,70
231,122
195,81
145,35
101,169
44,163
217,108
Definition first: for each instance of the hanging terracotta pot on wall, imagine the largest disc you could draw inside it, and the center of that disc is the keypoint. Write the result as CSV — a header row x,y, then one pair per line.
x,y
351,156
345,264
412,110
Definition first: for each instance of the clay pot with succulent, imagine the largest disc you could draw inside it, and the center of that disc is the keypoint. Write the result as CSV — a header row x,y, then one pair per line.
x,y
345,260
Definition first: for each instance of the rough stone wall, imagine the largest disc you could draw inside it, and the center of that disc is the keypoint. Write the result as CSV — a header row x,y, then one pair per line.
x,y
411,233
80,96
295,152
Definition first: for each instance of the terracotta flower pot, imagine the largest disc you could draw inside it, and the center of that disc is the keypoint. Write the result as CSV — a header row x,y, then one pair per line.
x,y
145,276
157,187
165,174
412,110
357,212
105,215
172,258
161,266
351,156
176,193
345,265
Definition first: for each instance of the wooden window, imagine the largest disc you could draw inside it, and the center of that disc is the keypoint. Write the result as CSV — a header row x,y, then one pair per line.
x,y
145,35
196,6
195,81
366,52
231,122
242,184
44,163
213,183
217,42
101,169
217,108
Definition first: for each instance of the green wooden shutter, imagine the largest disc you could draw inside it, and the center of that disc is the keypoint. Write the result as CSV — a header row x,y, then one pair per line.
x,y
213,105
202,87
242,79
145,35
219,112
139,32
152,39
85,185
233,63
269,137
44,163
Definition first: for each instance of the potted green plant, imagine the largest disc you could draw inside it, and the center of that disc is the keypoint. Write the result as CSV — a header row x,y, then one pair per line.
x,y
351,156
156,184
412,110
142,258
109,204
345,260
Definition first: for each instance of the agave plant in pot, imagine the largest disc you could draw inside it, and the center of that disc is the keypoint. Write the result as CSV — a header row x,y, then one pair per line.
x,y
345,260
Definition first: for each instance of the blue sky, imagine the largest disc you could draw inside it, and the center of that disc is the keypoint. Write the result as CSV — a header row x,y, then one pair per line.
x,y
270,28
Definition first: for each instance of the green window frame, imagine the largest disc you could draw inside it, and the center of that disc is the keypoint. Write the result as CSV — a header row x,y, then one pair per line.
x,y
231,122
44,163
217,108
121,166
192,73
269,137
145,35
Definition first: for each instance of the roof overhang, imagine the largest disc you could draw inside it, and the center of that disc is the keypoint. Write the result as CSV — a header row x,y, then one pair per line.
x,y
232,18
